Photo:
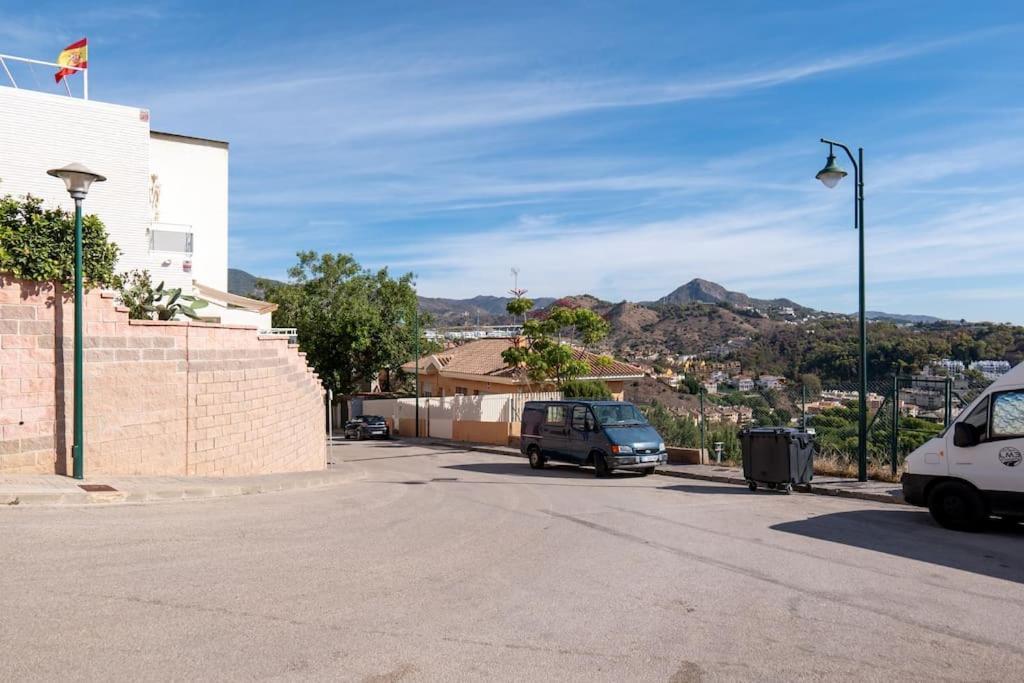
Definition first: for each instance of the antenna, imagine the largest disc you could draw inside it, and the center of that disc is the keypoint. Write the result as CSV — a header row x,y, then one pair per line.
x,y
515,291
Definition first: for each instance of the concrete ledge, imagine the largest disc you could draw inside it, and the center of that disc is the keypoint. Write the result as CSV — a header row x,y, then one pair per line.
x,y
36,490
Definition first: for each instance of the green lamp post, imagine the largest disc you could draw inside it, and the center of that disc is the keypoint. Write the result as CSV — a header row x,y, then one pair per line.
x,y
830,176
77,178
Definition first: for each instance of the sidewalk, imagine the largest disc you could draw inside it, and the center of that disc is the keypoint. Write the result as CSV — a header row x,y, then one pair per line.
x,y
54,489
876,491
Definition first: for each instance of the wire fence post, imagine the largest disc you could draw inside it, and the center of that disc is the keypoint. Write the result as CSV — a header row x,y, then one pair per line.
x,y
894,437
702,423
803,407
948,415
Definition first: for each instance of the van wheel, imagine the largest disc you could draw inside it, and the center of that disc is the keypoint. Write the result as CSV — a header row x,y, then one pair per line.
x,y
601,466
536,459
956,506
646,471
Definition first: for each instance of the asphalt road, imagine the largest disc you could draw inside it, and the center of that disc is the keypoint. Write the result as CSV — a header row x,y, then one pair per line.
x,y
443,564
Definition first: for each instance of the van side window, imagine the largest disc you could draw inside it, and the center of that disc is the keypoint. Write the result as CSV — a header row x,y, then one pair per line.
x,y
556,415
1008,414
579,418
978,419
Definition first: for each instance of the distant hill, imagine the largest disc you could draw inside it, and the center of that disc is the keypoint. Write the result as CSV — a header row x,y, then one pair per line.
x,y
489,309
244,284
901,317
704,291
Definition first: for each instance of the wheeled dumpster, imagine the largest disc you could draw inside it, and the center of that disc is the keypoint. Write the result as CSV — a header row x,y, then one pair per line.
x,y
777,457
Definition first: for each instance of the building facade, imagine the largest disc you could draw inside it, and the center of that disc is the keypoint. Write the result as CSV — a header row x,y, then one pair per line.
x,y
165,200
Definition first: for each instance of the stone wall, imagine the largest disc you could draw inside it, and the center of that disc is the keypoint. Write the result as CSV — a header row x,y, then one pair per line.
x,y
161,398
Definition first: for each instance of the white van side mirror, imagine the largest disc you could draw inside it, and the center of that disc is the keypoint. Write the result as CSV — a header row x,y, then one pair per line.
x,y
964,435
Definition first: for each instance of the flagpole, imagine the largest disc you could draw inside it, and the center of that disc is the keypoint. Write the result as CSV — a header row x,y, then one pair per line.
x,y
85,83
66,86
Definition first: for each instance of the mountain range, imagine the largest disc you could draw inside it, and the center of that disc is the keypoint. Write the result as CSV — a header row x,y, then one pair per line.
x,y
487,310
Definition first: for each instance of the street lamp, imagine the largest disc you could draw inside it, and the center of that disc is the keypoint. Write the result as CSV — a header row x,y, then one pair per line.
x,y
77,178
416,350
830,176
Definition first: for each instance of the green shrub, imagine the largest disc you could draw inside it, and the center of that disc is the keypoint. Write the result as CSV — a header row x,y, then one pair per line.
x,y
38,244
586,388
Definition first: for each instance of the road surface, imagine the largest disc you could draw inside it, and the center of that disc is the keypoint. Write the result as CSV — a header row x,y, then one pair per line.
x,y
437,563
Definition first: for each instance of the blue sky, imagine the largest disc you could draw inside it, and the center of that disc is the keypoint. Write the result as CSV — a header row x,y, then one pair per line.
x,y
614,148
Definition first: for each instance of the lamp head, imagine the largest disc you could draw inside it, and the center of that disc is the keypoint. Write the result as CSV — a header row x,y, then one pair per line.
x,y
832,173
77,179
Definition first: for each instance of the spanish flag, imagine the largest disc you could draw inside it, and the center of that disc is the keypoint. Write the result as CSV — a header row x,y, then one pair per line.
x,y
75,54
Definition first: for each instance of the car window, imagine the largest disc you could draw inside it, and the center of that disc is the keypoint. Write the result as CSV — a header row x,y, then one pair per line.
x,y
580,416
1008,414
618,414
556,415
978,419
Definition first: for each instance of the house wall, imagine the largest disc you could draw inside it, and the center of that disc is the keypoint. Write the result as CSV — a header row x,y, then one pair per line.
x,y
436,384
40,131
161,398
192,176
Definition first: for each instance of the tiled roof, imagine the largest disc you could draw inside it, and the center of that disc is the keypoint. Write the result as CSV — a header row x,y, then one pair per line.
x,y
483,357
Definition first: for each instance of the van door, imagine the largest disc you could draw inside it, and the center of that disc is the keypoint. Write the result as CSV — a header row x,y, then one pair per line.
x,y
999,463
580,434
555,432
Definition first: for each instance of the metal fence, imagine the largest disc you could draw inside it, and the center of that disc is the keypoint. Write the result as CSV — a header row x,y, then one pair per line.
x,y
903,412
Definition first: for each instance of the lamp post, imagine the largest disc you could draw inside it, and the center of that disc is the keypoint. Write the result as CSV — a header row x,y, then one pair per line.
x,y
416,350
830,176
77,179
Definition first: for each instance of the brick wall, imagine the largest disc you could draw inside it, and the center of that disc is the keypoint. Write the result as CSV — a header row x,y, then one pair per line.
x,y
161,398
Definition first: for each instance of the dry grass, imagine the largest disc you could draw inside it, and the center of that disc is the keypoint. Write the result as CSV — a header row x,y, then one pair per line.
x,y
831,466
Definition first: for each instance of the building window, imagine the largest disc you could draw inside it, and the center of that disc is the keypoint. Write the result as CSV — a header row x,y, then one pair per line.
x,y
461,391
170,240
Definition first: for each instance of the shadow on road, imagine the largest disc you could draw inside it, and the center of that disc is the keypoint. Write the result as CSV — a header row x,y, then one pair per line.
x,y
998,552
724,488
523,469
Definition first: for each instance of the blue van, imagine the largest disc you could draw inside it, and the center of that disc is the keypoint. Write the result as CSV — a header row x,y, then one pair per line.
x,y
607,435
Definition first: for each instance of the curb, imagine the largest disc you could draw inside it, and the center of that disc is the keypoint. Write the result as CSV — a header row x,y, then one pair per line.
x,y
199,491
816,489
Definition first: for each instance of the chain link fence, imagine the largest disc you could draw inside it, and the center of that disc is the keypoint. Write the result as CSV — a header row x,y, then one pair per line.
x,y
903,412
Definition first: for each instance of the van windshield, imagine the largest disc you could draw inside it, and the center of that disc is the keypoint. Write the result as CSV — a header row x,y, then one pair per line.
x,y
618,414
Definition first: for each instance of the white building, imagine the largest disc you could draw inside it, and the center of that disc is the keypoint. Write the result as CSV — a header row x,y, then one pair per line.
x,y
770,381
165,201
991,369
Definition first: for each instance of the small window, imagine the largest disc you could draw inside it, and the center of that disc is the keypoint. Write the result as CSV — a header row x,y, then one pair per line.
x,y
579,418
1008,414
556,415
170,240
461,391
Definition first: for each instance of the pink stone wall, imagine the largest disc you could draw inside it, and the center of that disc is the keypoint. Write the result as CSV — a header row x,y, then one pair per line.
x,y
161,398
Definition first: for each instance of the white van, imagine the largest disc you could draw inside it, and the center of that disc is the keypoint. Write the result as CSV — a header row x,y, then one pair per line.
x,y
973,469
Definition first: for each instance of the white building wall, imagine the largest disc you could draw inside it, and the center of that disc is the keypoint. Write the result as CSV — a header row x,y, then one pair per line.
x,y
190,178
39,131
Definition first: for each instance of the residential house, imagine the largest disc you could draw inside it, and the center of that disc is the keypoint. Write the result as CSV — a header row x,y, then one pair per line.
x,y
710,387
165,200
743,383
477,368
770,382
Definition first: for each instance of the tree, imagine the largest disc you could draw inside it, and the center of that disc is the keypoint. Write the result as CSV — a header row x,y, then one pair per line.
x,y
538,356
38,244
352,323
586,388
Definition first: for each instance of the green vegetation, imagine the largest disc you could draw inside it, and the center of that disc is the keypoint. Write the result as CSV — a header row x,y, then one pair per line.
x,y
540,355
352,322
684,432
827,349
143,300
586,388
38,244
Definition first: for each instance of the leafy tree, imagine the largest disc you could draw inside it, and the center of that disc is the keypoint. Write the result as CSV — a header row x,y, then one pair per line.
x,y
539,356
586,388
691,385
38,244
353,323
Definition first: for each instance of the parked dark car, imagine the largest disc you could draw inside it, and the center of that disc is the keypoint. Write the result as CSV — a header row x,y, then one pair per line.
x,y
367,427
607,435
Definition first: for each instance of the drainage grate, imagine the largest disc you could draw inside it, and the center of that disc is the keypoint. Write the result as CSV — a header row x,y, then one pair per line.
x,y
413,482
94,488
445,479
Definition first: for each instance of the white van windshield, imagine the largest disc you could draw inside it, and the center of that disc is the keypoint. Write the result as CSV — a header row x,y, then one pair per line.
x,y
618,414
